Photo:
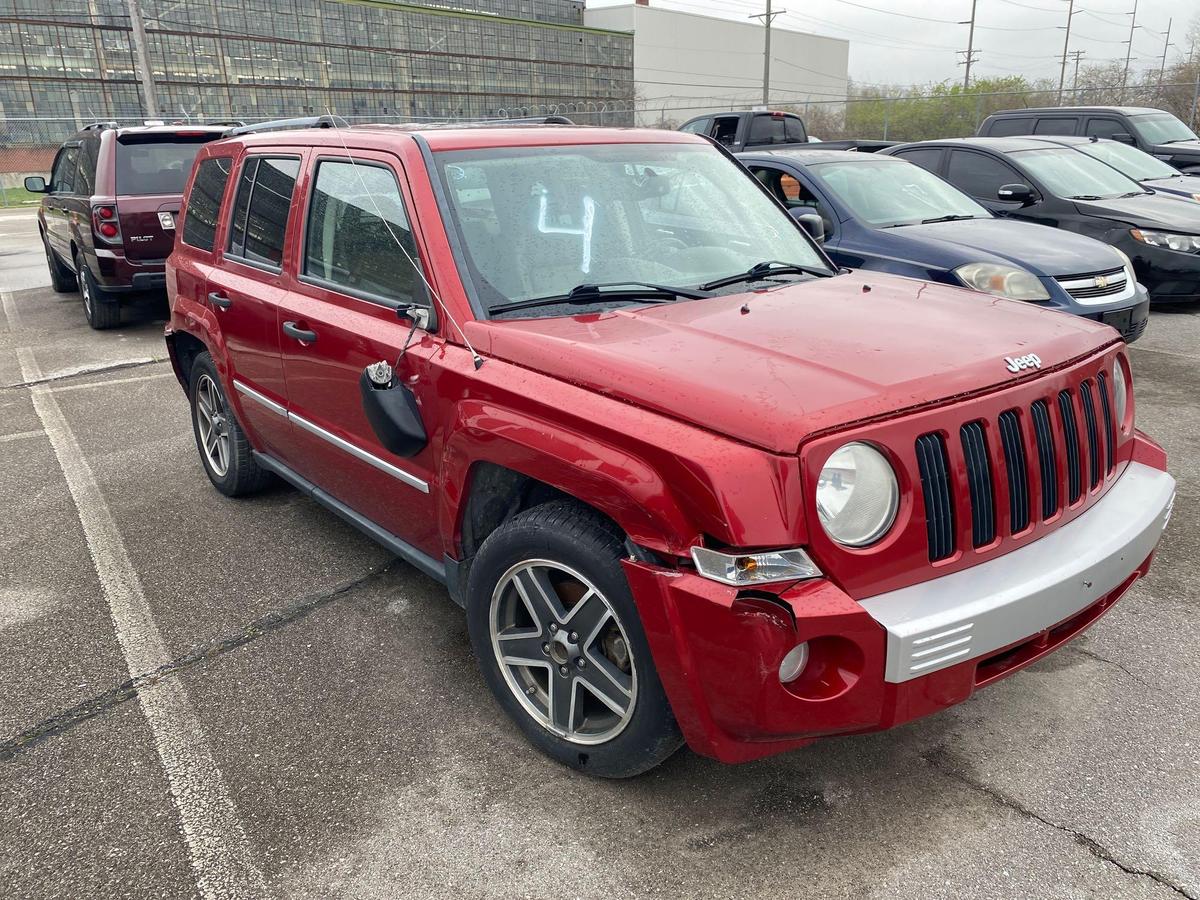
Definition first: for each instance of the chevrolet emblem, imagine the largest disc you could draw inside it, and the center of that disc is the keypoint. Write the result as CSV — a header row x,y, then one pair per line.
x,y
1101,281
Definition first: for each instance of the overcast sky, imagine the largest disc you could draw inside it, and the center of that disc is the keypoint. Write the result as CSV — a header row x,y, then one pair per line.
x,y
889,44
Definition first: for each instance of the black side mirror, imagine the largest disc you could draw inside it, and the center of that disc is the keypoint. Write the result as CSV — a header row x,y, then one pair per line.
x,y
35,184
1015,193
1123,137
810,222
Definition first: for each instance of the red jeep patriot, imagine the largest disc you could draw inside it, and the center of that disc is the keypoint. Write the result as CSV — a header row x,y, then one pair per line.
x,y
689,481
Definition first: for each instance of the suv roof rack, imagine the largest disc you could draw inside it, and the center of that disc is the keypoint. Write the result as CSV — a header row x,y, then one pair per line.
x,y
100,126
280,124
228,123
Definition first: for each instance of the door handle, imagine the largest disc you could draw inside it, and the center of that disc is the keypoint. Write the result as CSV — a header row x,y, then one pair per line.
x,y
216,298
292,330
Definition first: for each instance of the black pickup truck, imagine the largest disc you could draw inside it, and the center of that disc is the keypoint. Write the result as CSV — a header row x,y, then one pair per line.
x,y
762,129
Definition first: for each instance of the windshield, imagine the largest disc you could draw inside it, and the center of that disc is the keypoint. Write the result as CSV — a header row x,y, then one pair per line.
x,y
1128,160
539,221
893,192
1161,128
1067,173
155,167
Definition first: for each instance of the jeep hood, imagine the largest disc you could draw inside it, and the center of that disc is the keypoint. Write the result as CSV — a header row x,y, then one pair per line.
x,y
808,357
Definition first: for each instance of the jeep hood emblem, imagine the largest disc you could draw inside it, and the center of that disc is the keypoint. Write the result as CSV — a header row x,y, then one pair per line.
x,y
1029,361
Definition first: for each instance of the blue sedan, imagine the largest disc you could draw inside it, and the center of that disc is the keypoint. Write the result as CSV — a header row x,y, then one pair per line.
x,y
884,214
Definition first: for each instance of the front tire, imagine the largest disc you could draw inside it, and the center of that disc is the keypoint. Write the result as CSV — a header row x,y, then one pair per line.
x,y
100,309
556,631
62,279
224,449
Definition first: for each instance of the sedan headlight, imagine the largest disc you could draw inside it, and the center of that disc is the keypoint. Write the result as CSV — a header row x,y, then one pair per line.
x,y
1121,388
1003,281
857,495
740,569
1180,243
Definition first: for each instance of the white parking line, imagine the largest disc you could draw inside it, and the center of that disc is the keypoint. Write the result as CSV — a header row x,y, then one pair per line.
x,y
11,316
60,388
216,841
19,436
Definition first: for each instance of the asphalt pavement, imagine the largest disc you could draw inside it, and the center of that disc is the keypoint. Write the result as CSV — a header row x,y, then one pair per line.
x,y
214,698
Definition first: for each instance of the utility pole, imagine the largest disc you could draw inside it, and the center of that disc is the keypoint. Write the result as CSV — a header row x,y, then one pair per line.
x,y
969,54
1062,73
1128,50
767,18
137,28
1075,77
1162,66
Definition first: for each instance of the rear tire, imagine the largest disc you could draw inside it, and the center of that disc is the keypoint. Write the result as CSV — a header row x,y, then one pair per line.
x,y
62,279
556,631
225,451
100,308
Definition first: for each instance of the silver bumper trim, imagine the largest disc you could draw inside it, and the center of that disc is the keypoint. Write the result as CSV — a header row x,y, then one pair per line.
x,y
976,611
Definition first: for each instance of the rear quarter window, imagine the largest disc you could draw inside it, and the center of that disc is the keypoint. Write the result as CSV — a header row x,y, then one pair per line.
x,y
204,203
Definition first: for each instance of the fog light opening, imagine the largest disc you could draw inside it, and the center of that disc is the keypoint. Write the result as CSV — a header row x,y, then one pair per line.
x,y
793,664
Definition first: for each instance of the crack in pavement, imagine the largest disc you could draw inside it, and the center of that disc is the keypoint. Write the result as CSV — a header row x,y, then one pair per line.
x,y
82,371
1092,654
128,690
1094,847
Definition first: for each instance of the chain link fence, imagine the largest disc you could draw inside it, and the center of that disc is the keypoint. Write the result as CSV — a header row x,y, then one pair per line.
x,y
28,145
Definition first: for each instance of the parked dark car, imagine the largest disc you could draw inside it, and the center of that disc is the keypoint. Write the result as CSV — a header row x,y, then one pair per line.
x,y
884,214
1026,178
1148,171
108,218
1151,130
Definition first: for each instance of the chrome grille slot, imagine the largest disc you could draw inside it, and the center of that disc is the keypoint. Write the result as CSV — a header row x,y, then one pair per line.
x,y
934,468
979,483
1014,465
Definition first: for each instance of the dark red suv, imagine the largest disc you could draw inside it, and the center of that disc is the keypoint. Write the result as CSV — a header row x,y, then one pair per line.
x,y
108,218
689,480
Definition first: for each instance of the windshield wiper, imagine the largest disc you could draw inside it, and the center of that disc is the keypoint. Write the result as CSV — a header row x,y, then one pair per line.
x,y
950,218
595,292
1133,194
1086,197
766,269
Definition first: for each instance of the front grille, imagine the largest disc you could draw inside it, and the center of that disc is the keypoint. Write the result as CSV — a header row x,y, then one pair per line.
x,y
934,468
1097,284
1093,432
1014,465
1017,467
1066,410
979,483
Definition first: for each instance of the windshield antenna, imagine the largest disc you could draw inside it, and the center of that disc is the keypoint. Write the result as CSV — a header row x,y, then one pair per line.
x,y
475,357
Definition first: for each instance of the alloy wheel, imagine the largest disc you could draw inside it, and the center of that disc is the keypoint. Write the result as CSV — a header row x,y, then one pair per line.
x,y
563,652
85,291
212,420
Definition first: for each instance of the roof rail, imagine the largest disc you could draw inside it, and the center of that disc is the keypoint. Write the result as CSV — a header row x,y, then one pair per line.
x,y
228,123
100,126
279,124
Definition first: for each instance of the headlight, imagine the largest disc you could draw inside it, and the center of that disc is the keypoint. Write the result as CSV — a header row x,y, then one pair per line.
x,y
857,495
741,569
1121,387
1004,281
1180,243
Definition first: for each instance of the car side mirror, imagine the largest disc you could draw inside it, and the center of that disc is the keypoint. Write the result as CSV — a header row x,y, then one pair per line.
x,y
1123,137
810,222
1015,193
35,184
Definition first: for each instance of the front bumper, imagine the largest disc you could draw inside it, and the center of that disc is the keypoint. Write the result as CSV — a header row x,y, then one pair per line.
x,y
896,656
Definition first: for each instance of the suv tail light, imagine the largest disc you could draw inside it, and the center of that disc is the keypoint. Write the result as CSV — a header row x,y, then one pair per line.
x,y
105,224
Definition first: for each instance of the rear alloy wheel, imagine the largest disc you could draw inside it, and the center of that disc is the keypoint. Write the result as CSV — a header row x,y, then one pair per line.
x,y
224,449
558,637
101,310
62,279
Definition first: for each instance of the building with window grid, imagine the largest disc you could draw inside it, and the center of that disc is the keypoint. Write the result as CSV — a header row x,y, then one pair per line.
x,y
73,61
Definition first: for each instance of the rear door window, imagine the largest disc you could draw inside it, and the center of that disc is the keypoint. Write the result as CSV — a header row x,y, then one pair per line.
x,y
1011,126
928,158
155,166
979,175
204,202
260,213
358,238
1056,125
725,130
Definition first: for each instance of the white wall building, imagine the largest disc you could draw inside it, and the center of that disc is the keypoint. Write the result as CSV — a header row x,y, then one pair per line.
x,y
686,64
